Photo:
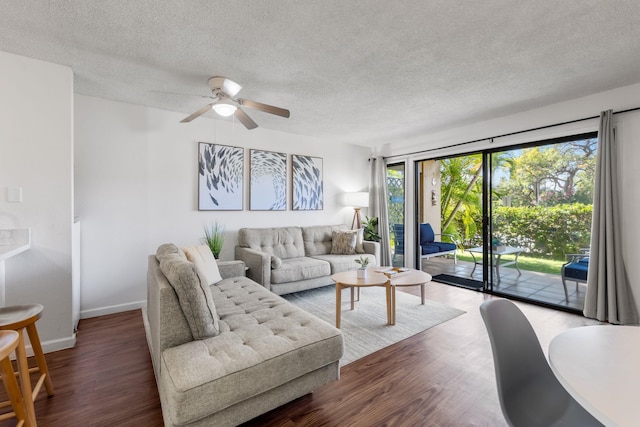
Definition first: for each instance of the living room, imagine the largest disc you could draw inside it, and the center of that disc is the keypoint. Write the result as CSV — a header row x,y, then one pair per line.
x,y
129,174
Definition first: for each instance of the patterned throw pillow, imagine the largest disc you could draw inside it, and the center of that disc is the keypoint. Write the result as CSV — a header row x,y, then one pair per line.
x,y
344,242
194,295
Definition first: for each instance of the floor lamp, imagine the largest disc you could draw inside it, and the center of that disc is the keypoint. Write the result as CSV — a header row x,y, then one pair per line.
x,y
358,200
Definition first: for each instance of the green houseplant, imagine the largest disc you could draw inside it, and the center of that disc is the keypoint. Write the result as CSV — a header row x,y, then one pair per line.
x,y
214,238
363,262
370,226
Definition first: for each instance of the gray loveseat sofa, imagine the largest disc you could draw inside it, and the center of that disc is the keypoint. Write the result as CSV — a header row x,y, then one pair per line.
x,y
227,352
292,259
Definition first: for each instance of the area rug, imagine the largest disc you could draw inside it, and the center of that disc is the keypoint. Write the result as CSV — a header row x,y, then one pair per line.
x,y
365,328
462,282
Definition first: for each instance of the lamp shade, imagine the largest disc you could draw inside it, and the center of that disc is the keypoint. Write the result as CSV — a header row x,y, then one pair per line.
x,y
359,199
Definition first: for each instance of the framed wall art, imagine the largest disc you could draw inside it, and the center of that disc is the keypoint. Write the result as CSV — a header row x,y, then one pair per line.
x,y
220,177
268,181
307,185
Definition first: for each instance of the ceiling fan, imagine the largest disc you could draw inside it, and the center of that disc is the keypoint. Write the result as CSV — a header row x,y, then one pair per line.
x,y
224,104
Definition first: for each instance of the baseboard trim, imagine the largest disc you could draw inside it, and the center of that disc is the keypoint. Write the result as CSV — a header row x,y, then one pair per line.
x,y
52,345
70,342
112,309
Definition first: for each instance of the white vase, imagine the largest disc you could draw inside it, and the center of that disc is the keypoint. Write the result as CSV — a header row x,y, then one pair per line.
x,y
362,273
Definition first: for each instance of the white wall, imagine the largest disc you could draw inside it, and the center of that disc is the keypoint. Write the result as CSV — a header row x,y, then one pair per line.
x,y
136,188
628,126
36,148
136,177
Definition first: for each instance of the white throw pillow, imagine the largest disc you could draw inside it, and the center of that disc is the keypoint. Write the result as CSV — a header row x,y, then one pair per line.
x,y
206,264
359,240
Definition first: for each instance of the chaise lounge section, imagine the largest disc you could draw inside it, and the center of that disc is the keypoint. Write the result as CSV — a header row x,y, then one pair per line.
x,y
224,348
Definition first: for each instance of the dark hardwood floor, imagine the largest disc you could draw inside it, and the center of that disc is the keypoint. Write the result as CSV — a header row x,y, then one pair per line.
x,y
105,380
441,377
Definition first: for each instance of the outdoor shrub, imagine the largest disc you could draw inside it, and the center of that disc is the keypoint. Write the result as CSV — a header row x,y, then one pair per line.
x,y
548,232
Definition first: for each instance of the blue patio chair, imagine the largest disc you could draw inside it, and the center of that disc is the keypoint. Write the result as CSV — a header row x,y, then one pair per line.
x,y
575,270
398,247
430,248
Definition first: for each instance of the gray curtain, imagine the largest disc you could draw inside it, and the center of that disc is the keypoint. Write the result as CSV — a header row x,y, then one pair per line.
x,y
378,205
608,297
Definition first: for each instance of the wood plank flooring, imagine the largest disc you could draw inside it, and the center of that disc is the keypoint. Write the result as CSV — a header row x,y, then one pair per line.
x,y
105,380
441,377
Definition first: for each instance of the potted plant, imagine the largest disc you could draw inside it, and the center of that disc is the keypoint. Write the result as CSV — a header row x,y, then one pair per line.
x,y
370,226
214,238
363,262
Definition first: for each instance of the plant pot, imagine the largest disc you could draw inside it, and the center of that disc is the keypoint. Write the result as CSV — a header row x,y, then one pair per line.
x,y
361,273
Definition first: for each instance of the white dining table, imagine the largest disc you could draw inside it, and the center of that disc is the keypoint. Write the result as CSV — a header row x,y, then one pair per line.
x,y
600,367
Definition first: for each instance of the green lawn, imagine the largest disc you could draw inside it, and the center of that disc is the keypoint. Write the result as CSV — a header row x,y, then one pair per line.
x,y
526,263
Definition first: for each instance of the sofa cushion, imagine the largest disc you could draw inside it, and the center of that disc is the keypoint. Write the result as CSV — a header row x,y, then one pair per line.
x,y
205,262
318,238
264,342
577,270
344,242
284,242
429,248
340,263
426,234
302,268
444,246
193,293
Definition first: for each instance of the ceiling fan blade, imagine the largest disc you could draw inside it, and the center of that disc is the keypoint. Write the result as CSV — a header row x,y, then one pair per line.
x,y
264,107
245,119
197,113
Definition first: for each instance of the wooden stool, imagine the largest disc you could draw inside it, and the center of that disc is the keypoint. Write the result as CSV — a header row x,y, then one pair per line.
x,y
18,318
9,341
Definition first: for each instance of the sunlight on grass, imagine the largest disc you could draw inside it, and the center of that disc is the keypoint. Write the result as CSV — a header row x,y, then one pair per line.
x,y
526,263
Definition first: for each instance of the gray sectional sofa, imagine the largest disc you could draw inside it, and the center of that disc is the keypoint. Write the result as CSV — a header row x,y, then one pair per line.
x,y
224,348
292,259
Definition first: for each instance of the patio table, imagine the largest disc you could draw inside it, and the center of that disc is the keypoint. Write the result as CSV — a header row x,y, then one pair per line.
x,y
497,253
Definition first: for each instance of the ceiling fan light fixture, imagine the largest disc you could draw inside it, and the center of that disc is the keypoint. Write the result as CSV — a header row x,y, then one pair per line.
x,y
224,104
224,109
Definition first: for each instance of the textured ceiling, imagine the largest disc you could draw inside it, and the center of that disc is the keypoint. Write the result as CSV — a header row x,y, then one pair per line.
x,y
366,72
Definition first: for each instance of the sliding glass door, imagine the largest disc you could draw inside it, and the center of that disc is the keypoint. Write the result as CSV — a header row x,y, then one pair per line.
x,y
516,215
541,206
395,187
450,208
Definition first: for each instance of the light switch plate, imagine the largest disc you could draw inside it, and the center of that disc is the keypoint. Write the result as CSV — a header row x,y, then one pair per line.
x,y
14,194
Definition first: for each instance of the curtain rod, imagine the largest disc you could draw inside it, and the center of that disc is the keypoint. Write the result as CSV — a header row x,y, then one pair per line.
x,y
509,134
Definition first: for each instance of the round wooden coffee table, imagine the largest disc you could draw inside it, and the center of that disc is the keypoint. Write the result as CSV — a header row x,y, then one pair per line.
x,y
349,279
410,277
